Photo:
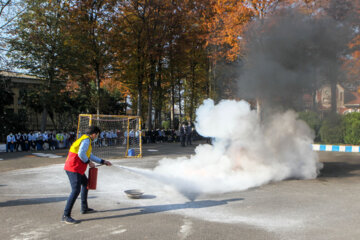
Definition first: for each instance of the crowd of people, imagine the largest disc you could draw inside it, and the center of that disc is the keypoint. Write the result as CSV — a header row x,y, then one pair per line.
x,y
185,135
36,141
51,140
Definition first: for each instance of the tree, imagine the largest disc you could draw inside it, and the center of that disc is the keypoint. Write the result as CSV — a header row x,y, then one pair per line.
x,y
140,59
6,98
89,26
38,46
352,61
339,11
9,12
351,124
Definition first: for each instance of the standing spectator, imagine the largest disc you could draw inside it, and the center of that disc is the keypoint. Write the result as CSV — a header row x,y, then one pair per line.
x,y
108,138
143,136
46,144
31,141
60,140
66,139
18,141
72,138
52,140
118,137
39,141
125,137
34,137
131,137
182,134
147,136
10,140
137,133
188,132
159,136
25,142
29,138
177,135
101,139
113,137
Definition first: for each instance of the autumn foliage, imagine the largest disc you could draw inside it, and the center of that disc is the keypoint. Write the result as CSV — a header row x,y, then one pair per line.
x,y
162,54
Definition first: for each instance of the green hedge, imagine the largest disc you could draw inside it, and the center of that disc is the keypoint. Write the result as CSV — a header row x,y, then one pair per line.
x,y
334,129
351,124
314,122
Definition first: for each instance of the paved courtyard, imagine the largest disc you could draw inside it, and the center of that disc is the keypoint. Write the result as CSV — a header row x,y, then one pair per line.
x,y
34,189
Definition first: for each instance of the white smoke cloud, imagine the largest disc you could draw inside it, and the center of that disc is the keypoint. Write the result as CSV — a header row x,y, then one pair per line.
x,y
245,153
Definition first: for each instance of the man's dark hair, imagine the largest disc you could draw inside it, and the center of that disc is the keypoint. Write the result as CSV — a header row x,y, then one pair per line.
x,y
92,129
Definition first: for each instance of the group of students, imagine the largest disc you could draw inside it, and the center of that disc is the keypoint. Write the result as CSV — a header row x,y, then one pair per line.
x,y
115,137
38,141
50,140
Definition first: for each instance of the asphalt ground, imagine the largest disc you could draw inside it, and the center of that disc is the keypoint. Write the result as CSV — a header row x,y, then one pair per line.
x,y
33,193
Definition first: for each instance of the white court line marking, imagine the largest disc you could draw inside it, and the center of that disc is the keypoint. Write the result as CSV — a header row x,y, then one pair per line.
x,y
185,229
49,155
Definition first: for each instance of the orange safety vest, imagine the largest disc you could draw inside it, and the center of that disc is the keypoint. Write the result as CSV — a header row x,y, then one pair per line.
x,y
73,162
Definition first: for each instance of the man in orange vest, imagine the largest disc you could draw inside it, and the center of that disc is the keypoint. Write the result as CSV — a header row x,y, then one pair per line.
x,y
78,159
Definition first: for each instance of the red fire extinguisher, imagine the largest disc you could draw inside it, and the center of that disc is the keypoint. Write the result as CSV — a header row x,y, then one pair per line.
x,y
93,172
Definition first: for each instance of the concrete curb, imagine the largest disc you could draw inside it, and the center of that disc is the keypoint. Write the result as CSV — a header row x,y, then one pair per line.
x,y
335,148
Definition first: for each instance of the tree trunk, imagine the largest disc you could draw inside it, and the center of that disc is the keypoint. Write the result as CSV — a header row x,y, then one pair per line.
x,y
212,81
45,111
333,97
172,104
149,111
37,120
172,91
314,103
208,83
150,94
52,118
180,112
140,78
192,94
159,94
43,119
139,97
97,71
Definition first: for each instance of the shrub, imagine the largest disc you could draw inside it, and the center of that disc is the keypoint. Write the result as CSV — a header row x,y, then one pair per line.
x,y
165,124
351,123
313,121
332,129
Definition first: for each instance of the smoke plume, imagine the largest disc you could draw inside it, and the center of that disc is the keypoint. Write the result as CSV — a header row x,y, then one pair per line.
x,y
244,153
289,54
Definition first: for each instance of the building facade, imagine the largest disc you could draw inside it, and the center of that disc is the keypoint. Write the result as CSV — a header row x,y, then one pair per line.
x,y
20,84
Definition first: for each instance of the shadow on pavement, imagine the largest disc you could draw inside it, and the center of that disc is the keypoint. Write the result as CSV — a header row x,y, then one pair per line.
x,y
148,196
29,154
339,169
164,208
31,201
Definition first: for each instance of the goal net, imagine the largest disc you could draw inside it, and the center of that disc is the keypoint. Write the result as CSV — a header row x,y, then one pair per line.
x,y
120,135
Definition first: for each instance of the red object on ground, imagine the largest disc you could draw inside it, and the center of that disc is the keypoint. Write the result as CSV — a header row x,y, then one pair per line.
x,y
92,178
